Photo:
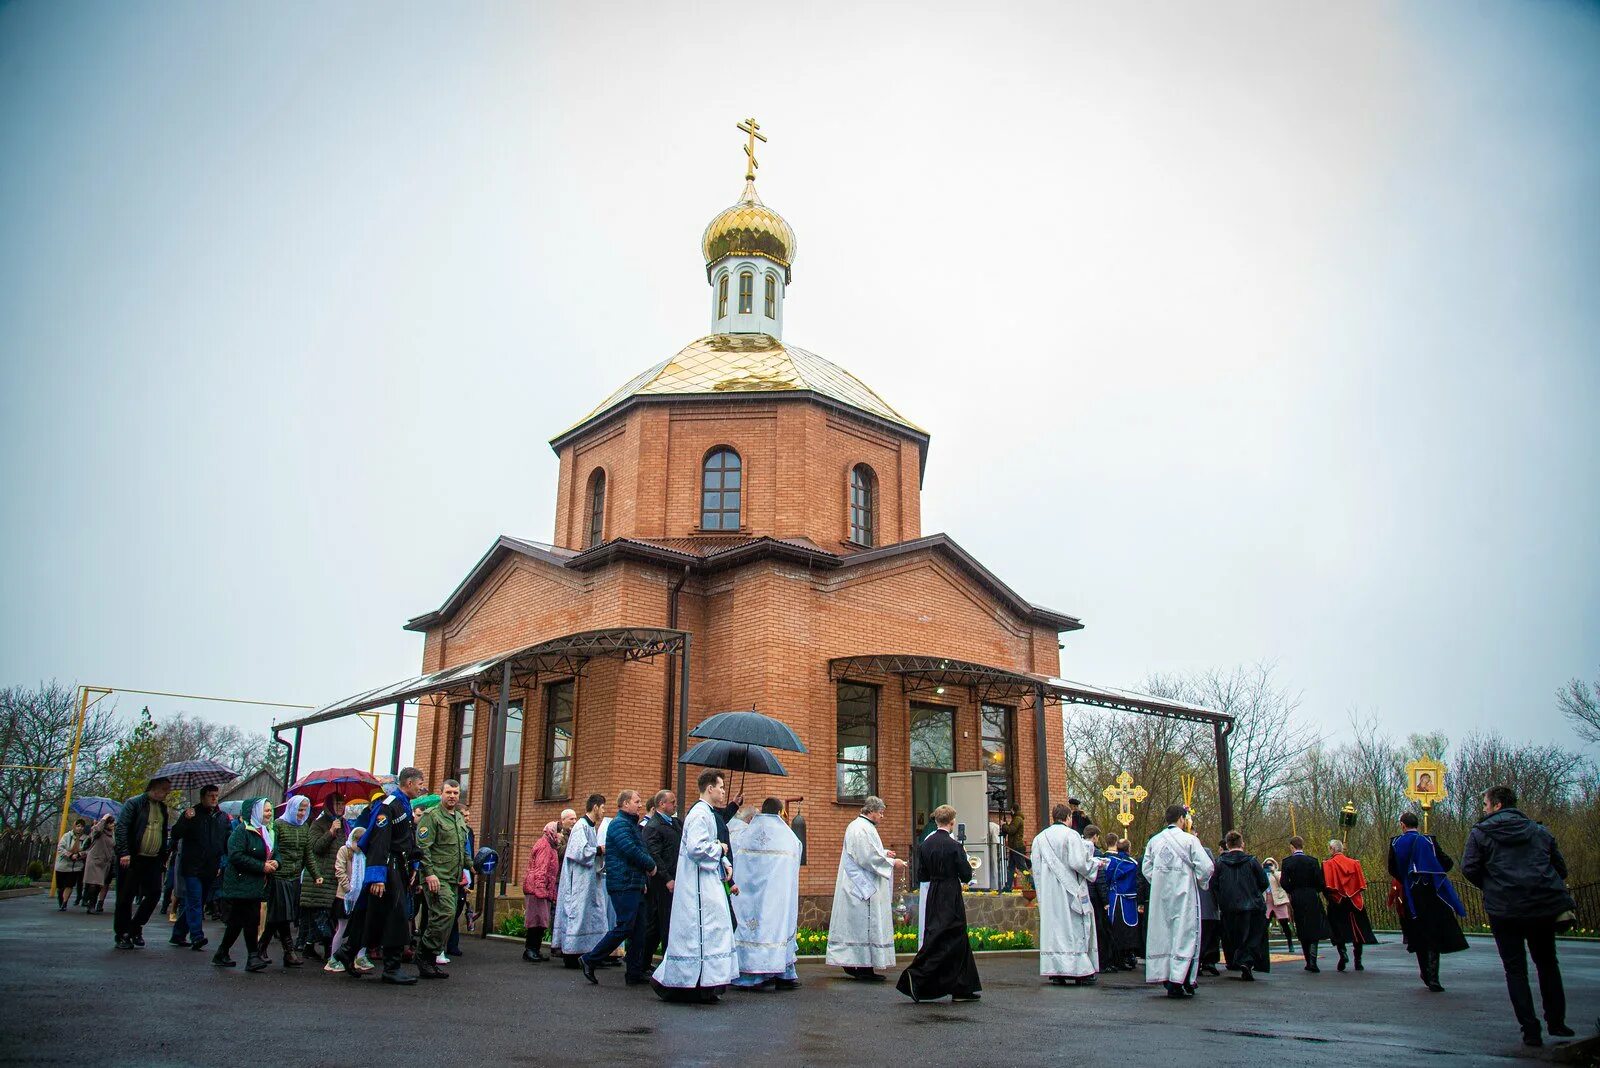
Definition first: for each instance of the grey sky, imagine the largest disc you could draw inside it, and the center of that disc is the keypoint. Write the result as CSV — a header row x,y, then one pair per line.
x,y
1242,331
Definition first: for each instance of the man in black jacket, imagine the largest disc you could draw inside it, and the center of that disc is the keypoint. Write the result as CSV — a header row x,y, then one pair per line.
x,y
199,838
1302,878
141,845
1241,885
662,836
1519,867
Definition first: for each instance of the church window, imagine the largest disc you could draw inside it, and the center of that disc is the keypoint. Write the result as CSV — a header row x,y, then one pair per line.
x,y
747,288
722,297
863,505
772,297
998,725
558,741
721,490
597,509
461,722
857,760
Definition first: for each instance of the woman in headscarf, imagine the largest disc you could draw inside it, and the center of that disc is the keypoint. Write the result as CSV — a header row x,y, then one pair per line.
x,y
539,885
324,836
244,887
349,874
100,856
70,853
1277,901
283,895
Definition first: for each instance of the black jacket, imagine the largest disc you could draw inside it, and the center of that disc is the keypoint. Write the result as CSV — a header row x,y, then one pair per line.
x,y
1517,865
663,837
1300,874
204,838
1240,882
131,823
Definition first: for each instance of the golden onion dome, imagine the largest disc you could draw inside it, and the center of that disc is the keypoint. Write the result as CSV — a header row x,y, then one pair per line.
x,y
749,228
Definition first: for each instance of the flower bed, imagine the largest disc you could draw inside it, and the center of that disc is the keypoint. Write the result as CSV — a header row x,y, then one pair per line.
x,y
814,942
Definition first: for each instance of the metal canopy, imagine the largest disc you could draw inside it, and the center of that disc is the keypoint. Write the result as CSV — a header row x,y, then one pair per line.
x,y
927,674
1082,693
565,655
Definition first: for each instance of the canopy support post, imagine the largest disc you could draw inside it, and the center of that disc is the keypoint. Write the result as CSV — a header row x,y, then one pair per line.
x,y
399,731
1042,756
490,825
294,757
1219,733
683,721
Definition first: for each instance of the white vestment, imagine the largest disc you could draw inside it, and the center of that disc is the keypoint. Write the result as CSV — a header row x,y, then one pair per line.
x,y
700,946
766,866
1176,865
583,908
861,928
1063,867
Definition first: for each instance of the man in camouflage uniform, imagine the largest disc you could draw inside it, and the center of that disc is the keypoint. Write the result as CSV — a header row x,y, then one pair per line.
x,y
442,838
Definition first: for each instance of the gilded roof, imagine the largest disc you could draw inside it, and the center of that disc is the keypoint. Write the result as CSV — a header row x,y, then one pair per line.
x,y
751,363
749,228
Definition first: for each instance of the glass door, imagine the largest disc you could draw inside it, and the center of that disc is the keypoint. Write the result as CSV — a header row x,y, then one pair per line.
x,y
933,756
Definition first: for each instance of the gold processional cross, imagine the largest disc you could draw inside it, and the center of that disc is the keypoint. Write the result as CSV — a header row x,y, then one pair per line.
x,y
1125,794
753,128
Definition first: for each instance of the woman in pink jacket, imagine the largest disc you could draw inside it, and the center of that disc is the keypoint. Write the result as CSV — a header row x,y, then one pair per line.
x,y
539,884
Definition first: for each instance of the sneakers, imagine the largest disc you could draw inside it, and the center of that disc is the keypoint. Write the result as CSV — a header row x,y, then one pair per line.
x,y
124,942
363,963
334,967
441,959
219,961
256,964
199,943
138,940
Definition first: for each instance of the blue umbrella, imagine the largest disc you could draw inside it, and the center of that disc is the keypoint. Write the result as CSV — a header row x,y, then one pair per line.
x,y
95,808
733,756
191,774
750,728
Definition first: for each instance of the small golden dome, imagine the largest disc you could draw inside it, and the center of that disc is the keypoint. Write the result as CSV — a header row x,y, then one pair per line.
x,y
749,228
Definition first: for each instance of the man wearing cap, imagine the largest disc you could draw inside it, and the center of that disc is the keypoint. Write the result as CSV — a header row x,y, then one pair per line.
x,y
141,845
442,838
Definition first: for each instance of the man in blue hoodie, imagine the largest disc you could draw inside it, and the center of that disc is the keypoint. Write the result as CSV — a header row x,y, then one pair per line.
x,y
628,865
1519,868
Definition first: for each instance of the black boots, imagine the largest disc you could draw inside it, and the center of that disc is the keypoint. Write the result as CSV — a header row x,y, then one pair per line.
x,y
1310,951
1344,959
531,944
427,968
1428,966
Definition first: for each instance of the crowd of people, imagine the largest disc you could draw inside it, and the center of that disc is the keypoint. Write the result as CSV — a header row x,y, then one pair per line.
x,y
716,893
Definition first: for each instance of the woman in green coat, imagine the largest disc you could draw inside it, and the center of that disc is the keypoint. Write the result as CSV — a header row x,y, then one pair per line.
x,y
325,835
283,896
244,885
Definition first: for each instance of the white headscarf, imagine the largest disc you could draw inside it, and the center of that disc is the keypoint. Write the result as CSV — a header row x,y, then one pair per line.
x,y
358,869
297,810
261,819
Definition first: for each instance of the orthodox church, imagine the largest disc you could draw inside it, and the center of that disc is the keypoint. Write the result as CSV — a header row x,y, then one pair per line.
x,y
739,526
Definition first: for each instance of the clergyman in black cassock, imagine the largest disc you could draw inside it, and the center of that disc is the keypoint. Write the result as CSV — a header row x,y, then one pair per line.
x,y
944,965
1302,878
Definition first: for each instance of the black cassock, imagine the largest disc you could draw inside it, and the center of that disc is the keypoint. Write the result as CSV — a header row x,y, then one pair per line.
x,y
944,965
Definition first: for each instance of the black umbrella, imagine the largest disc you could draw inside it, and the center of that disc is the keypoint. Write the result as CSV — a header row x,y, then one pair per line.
x,y
750,728
733,756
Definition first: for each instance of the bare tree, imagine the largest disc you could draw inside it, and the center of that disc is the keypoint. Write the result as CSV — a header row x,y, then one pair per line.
x,y
185,737
37,725
1580,703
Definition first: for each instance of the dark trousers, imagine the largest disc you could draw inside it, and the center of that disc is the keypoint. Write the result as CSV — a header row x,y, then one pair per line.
x,y
140,879
1511,935
196,890
243,918
1211,941
631,926
658,907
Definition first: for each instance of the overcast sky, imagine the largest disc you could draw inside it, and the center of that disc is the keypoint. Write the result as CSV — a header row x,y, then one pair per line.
x,y
1242,331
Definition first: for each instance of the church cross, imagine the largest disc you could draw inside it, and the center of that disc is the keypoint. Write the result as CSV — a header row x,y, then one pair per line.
x,y
753,128
1124,793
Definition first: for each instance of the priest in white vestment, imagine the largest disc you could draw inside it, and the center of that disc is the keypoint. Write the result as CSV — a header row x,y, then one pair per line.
x,y
1178,870
700,960
583,908
861,927
766,867
1064,865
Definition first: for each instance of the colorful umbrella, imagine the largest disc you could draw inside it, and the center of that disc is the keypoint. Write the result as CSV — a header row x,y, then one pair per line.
x,y
193,774
95,808
353,783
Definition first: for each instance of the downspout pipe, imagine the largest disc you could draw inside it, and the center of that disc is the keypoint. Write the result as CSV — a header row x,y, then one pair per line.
x,y
288,758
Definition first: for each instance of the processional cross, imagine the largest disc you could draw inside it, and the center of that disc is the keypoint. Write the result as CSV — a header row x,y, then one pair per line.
x,y
1124,793
753,128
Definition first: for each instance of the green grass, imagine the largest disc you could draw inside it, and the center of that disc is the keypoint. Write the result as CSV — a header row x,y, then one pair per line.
x,y
14,882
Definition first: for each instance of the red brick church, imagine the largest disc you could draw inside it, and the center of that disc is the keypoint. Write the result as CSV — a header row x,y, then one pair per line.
x,y
740,526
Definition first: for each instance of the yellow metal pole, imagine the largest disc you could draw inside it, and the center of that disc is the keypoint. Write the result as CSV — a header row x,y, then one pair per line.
x,y
372,761
72,772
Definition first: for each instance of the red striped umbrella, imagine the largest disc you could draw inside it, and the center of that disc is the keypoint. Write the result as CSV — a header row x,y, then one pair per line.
x,y
353,783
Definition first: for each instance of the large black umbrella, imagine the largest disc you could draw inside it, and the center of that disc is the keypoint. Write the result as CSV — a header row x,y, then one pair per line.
x,y
750,728
194,774
733,756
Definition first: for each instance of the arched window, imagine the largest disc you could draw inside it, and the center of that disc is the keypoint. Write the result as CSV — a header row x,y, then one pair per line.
x,y
747,293
722,297
597,508
772,297
863,504
721,490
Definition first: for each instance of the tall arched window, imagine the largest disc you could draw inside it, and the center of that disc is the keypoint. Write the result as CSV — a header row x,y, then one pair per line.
x,y
721,490
772,297
597,508
722,297
747,293
863,504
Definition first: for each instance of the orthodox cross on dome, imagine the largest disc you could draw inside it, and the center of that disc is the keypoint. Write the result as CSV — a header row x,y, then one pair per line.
x,y
1124,793
753,128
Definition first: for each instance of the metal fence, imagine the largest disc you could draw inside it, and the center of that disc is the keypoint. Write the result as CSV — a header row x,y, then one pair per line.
x,y
18,849
1384,918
